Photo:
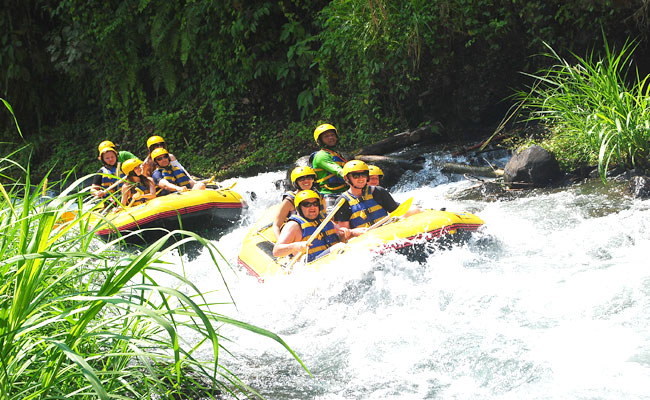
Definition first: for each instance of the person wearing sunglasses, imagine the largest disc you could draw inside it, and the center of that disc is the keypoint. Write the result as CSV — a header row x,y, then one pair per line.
x,y
169,177
364,204
153,143
328,163
302,224
302,178
137,188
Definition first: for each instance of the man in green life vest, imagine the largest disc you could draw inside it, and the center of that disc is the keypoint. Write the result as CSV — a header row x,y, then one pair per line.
x,y
328,164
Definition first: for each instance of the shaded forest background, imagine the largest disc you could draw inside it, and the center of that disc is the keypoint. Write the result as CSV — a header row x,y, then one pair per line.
x,y
238,86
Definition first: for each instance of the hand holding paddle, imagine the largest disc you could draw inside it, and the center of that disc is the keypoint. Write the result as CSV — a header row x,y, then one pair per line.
x,y
317,231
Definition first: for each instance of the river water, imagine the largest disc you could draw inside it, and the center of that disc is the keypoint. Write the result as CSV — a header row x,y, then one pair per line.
x,y
550,300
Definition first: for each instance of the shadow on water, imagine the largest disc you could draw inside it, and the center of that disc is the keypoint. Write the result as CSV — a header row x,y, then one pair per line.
x,y
137,241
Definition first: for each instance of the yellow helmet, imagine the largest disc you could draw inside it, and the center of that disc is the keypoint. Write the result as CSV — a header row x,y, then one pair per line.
x,y
129,165
104,149
320,129
354,166
158,152
153,140
305,195
299,172
105,143
375,170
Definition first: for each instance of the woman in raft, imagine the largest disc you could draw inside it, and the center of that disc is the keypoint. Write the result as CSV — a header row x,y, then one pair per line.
x,y
137,188
302,178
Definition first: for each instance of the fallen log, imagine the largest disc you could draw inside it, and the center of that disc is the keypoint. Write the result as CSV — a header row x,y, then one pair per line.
x,y
455,168
479,145
401,140
447,167
383,160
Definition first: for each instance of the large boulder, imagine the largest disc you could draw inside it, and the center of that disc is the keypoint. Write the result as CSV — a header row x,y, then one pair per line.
x,y
532,167
639,187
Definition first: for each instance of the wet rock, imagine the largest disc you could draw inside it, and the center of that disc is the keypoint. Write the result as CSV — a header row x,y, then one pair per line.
x,y
639,187
487,191
618,174
627,175
581,172
532,167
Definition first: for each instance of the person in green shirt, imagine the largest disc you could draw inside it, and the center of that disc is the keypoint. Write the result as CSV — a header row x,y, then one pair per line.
x,y
122,155
108,179
328,164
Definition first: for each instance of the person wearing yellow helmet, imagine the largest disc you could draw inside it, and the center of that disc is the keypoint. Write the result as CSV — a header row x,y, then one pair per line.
x,y
328,163
301,225
170,177
364,205
302,178
375,175
122,155
137,188
153,143
106,181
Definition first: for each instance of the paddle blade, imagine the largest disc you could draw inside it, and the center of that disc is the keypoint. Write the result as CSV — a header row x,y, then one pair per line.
x,y
398,212
401,209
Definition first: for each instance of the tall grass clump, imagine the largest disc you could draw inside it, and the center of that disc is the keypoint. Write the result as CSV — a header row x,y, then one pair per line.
x,y
82,319
598,115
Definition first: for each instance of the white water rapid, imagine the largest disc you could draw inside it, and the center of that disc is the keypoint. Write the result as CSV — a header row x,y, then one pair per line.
x,y
551,300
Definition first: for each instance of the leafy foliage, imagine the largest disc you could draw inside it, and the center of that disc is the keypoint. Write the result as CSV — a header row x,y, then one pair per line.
x,y
597,115
209,72
85,319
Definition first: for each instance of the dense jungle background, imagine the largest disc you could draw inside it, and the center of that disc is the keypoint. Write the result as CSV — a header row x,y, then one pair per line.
x,y
237,86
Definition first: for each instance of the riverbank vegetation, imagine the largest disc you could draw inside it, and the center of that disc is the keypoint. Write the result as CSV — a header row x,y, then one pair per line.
x,y
82,318
597,109
236,87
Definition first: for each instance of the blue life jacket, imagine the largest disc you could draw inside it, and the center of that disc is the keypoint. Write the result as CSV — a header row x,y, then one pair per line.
x,y
325,239
109,177
365,210
175,175
291,196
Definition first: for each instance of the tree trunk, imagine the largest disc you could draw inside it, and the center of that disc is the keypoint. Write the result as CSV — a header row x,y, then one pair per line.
x,y
401,140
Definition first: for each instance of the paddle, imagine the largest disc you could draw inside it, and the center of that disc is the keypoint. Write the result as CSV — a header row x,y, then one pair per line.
x,y
216,186
68,216
207,181
318,230
398,212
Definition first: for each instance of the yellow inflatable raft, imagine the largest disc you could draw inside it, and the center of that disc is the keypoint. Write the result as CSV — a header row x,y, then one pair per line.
x,y
408,235
191,210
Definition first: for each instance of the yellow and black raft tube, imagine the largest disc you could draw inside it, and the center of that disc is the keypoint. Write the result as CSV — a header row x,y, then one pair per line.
x,y
409,235
191,210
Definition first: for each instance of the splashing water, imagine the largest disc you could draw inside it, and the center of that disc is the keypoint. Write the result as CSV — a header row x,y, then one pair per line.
x,y
550,300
